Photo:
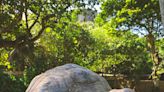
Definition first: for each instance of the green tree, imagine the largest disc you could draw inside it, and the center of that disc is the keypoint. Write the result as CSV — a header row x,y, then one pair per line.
x,y
121,53
141,16
22,24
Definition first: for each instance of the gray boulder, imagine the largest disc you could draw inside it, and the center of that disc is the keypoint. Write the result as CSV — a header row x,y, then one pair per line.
x,y
122,90
68,78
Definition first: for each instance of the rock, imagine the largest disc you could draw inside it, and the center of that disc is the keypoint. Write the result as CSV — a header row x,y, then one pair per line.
x,y
68,78
122,90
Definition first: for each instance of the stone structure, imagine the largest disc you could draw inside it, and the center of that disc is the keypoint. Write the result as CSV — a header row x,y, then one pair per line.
x,y
161,2
86,15
68,78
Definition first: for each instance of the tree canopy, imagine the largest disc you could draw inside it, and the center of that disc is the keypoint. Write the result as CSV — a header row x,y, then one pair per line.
x,y
124,37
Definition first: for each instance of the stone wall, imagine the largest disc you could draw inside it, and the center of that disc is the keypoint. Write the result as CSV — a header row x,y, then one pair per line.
x,y
142,86
161,2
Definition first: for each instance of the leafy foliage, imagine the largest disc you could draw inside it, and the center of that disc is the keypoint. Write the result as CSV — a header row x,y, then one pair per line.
x,y
36,35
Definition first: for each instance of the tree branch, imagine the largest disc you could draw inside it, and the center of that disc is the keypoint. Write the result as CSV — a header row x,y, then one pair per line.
x,y
39,34
44,25
36,20
24,40
26,18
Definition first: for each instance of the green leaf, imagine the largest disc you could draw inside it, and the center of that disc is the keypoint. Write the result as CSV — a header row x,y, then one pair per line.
x,y
48,30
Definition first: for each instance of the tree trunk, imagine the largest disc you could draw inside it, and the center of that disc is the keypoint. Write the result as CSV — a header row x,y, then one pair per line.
x,y
155,59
